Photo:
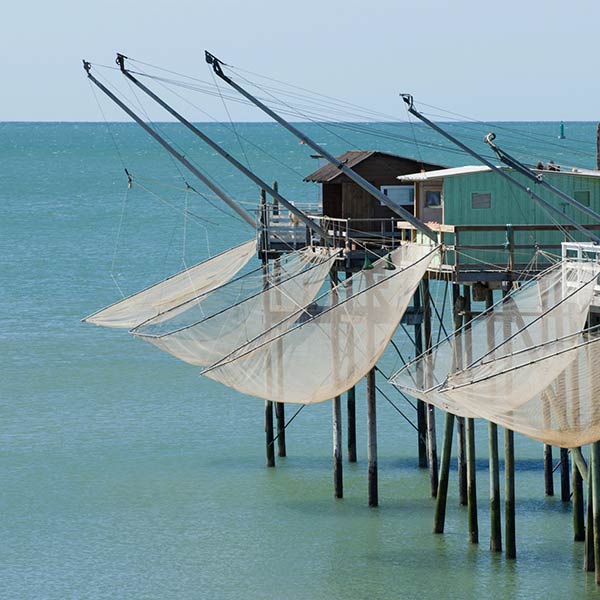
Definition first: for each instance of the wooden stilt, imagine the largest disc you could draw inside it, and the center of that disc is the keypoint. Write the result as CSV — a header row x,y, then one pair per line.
x,y
459,320
338,479
462,460
495,517
595,477
351,407
432,455
473,523
280,415
421,409
442,495
372,439
471,482
588,557
548,471
495,521
509,494
270,446
578,511
565,484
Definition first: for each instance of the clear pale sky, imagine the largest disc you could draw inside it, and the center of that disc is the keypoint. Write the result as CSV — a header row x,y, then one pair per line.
x,y
512,60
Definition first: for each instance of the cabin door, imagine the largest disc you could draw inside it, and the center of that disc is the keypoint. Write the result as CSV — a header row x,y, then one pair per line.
x,y
431,202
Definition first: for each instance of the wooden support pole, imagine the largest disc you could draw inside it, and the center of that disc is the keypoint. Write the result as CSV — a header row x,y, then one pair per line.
x,y
442,495
595,476
471,482
421,409
495,517
280,415
588,557
351,407
473,523
338,479
270,446
495,521
432,454
509,494
578,510
548,471
460,319
373,492
268,420
462,460
565,484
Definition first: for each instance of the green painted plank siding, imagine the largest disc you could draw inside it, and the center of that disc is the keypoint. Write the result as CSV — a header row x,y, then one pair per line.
x,y
510,205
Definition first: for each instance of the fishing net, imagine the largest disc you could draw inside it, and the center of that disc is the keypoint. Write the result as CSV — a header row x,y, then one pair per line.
x,y
551,307
324,349
175,290
209,327
564,412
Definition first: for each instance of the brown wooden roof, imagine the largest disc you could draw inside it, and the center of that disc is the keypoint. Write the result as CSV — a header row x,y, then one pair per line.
x,y
352,158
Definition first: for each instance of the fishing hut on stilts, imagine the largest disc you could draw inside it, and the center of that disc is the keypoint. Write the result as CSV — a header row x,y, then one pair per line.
x,y
388,230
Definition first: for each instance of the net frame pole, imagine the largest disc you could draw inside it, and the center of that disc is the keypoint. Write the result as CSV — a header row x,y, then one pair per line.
x,y
363,183
408,99
537,178
272,190
179,157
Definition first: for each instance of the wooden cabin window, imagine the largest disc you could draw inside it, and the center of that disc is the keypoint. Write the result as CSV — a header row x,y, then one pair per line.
x,y
582,196
433,198
400,195
481,200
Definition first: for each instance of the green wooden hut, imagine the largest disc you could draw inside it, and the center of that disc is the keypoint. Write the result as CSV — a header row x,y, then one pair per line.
x,y
496,225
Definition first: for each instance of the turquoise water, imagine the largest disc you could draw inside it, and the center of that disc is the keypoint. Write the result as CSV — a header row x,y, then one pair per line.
x,y
125,475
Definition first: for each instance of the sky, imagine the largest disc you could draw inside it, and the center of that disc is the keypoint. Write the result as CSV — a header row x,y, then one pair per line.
x,y
498,61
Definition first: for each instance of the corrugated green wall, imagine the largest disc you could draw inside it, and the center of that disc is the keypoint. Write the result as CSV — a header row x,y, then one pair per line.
x,y
510,205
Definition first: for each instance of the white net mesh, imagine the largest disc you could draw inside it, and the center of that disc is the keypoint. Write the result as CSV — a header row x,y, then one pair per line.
x,y
552,306
321,351
175,290
564,412
205,329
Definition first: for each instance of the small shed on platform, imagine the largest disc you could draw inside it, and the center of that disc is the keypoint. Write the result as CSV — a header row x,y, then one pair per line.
x,y
344,199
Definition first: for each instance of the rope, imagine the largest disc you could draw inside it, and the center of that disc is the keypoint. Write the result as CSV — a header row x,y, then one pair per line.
x,y
288,423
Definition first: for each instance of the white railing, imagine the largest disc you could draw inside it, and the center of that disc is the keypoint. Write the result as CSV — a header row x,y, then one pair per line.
x,y
581,256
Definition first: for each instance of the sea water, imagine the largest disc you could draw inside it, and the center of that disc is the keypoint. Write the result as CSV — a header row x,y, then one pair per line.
x,y
126,475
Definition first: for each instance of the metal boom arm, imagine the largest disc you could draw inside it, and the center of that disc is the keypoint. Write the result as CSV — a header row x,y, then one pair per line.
x,y
363,183
186,163
236,163
518,166
411,109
